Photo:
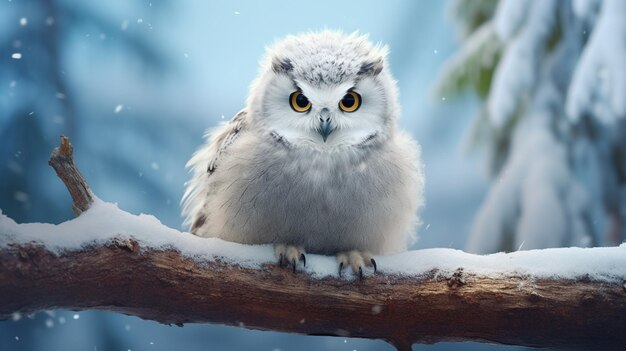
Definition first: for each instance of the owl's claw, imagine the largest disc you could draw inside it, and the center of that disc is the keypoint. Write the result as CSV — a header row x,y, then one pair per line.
x,y
290,256
357,260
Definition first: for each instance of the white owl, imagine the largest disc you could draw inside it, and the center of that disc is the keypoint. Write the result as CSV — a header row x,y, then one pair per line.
x,y
315,161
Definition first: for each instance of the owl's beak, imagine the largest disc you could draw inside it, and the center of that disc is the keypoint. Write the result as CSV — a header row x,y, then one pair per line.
x,y
325,127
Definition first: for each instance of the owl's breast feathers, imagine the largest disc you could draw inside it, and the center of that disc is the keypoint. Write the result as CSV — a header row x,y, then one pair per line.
x,y
263,191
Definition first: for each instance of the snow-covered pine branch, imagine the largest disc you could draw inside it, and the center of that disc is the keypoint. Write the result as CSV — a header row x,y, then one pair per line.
x,y
108,259
553,121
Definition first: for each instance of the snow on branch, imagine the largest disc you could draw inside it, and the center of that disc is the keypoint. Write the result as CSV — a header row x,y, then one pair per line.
x,y
108,259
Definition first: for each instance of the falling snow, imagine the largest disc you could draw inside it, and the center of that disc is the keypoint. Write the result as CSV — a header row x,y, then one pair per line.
x,y
20,196
58,120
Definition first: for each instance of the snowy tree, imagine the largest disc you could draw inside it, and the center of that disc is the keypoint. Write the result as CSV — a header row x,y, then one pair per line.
x,y
553,80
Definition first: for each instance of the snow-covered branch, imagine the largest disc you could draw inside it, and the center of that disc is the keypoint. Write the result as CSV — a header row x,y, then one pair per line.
x,y
108,259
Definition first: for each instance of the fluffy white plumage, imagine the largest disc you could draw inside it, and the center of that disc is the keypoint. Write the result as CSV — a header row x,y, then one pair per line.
x,y
325,180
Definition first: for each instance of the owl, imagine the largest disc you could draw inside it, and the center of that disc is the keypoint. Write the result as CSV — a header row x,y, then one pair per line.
x,y
315,162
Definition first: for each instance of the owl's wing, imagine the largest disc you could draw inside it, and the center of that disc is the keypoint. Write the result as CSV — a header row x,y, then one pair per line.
x,y
203,163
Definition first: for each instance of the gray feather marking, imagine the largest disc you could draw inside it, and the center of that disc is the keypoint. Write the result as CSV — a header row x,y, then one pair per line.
x,y
226,139
371,68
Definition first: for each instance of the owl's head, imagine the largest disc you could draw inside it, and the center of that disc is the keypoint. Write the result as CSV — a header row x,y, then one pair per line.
x,y
325,90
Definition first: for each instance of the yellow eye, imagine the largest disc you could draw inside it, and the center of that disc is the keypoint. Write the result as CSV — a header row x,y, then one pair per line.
x,y
299,102
350,102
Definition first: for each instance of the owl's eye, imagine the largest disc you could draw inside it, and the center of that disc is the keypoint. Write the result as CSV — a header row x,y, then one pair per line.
x,y
299,102
350,102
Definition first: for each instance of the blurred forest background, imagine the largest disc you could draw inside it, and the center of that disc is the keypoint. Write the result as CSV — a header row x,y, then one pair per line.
x,y
519,106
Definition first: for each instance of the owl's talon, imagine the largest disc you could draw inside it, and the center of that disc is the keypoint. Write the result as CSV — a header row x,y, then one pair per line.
x,y
289,256
357,260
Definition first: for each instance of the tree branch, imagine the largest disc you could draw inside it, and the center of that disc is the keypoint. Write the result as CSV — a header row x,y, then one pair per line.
x,y
128,273
164,286
62,161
